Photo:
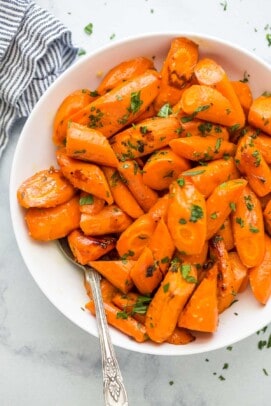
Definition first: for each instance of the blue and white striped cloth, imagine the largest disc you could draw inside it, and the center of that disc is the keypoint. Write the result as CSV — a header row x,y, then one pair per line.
x,y
34,49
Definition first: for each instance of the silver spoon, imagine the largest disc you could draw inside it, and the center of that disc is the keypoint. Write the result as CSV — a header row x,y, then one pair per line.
x,y
113,386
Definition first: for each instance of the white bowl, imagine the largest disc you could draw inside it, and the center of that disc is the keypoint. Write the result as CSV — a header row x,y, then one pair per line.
x,y
59,281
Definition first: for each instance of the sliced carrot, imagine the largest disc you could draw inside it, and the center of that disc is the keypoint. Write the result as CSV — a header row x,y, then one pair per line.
x,y
116,272
226,233
87,248
259,115
162,253
198,260
133,240
226,283
121,193
201,312
53,222
198,148
240,272
243,92
263,143
117,108
206,178
108,290
90,204
169,300
208,72
89,144
221,202
146,273
144,195
208,104
132,304
186,218
124,71
248,228
70,105
145,137
267,217
202,128
160,208
162,167
111,219
85,176
46,188
125,324
177,70
180,336
260,276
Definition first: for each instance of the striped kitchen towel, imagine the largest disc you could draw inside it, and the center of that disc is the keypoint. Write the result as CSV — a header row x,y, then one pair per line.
x,y
34,49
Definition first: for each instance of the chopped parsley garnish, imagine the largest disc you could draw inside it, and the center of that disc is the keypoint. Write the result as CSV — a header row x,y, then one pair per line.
x,y
240,221
257,157
86,200
81,52
248,202
232,206
186,119
268,38
135,102
218,145
89,29
122,315
128,254
182,221
196,213
166,287
181,182
185,271
165,110
253,229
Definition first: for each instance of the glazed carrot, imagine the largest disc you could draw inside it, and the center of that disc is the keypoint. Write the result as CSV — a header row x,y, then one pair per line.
x,y
86,248
210,73
70,105
132,304
108,290
121,194
46,188
84,176
243,92
260,276
124,71
111,219
125,324
160,208
259,115
133,240
263,143
248,228
117,108
144,195
201,312
180,336
221,202
197,260
186,218
162,167
267,217
146,273
240,272
162,253
90,204
148,113
116,272
198,148
89,144
203,128
225,282
169,300
145,137
208,104
54,222
177,70
226,233
206,178
257,171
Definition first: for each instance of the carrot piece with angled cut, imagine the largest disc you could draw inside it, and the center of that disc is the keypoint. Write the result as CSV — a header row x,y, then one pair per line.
x,y
180,336
221,202
121,194
133,240
177,70
169,300
248,228
207,103
116,272
90,204
53,222
202,128
145,273
201,312
84,176
46,188
260,276
159,209
162,167
124,71
243,92
111,219
226,233
132,304
208,72
259,115
198,260
89,144
145,196
240,272
86,248
186,217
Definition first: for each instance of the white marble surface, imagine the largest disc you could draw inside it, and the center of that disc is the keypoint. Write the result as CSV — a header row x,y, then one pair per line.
x,y
45,359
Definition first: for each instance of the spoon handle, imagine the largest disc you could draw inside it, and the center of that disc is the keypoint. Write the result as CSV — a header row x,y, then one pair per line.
x,y
113,386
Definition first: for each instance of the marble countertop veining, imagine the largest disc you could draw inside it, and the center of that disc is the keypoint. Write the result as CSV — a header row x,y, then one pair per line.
x,y
45,359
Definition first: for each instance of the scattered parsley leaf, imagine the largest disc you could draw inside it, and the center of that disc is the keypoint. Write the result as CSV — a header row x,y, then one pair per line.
x,y
89,29
89,199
